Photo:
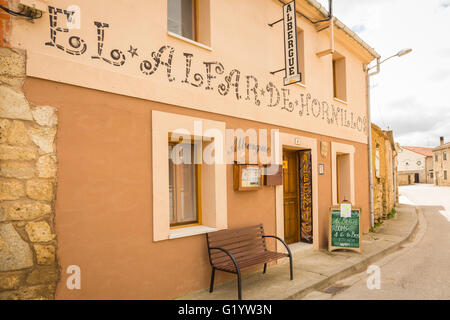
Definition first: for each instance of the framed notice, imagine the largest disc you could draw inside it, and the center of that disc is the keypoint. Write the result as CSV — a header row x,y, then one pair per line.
x,y
344,229
247,177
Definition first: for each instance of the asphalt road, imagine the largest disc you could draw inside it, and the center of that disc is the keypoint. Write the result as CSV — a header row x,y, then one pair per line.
x,y
421,269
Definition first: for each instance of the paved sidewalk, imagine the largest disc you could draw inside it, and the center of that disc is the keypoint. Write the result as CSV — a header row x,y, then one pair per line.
x,y
316,270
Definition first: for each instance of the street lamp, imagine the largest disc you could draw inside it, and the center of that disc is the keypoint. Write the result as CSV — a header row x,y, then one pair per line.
x,y
367,69
398,54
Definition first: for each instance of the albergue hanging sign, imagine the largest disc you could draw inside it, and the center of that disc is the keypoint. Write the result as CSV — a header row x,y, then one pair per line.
x,y
292,75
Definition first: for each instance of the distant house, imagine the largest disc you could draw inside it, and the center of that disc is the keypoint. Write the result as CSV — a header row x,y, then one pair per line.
x,y
415,165
441,163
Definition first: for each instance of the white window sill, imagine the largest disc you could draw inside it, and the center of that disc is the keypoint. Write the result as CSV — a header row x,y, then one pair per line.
x,y
189,231
195,43
339,100
300,84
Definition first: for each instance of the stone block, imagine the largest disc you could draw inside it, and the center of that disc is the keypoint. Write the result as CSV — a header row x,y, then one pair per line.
x,y
12,63
17,153
18,134
43,138
42,275
40,189
46,166
19,170
39,231
23,210
13,104
45,116
39,292
15,253
11,190
45,254
10,280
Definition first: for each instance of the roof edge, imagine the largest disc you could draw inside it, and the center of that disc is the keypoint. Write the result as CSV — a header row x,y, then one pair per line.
x,y
346,29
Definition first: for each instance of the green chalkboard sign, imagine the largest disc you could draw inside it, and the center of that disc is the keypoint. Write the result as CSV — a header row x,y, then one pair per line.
x,y
345,232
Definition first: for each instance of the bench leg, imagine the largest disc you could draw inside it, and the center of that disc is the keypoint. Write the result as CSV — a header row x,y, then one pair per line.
x,y
211,286
265,267
239,285
290,267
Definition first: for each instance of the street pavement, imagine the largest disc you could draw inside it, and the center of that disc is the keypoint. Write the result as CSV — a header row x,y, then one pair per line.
x,y
421,268
315,270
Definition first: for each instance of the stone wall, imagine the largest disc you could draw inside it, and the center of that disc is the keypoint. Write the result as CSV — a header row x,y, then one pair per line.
x,y
384,189
28,264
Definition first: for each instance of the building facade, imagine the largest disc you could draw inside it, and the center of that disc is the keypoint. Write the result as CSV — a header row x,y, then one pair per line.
x,y
384,170
441,163
114,97
414,165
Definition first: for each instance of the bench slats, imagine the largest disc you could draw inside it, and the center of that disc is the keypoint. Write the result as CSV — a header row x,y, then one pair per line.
x,y
252,261
239,256
246,244
225,237
237,245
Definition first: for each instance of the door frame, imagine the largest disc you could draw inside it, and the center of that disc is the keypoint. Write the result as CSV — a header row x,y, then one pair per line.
x,y
295,168
295,142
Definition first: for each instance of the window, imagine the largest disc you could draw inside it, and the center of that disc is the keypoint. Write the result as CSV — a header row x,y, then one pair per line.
x,y
431,175
339,77
182,18
184,184
301,53
444,155
445,174
436,157
190,19
192,195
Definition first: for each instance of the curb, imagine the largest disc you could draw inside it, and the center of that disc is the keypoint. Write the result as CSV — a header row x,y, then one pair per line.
x,y
356,268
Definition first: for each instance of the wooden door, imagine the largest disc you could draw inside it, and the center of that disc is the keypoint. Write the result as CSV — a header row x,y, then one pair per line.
x,y
291,197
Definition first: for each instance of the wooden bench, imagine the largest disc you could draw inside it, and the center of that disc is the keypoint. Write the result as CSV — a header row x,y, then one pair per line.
x,y
234,250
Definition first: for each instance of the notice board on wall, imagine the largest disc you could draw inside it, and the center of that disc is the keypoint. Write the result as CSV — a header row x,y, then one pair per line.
x,y
247,177
344,231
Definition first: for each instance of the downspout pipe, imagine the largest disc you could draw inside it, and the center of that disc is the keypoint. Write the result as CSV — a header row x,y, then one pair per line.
x,y
369,142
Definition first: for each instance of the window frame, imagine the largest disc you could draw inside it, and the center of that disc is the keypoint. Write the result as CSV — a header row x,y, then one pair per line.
x,y
213,176
198,193
202,25
194,26
341,85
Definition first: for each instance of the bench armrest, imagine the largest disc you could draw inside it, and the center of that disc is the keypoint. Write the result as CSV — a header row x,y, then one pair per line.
x,y
282,241
228,254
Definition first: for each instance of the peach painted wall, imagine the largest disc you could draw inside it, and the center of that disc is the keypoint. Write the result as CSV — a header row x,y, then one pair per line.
x,y
240,39
104,196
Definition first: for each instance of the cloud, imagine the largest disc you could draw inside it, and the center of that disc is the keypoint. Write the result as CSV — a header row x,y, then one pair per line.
x,y
414,123
411,94
440,75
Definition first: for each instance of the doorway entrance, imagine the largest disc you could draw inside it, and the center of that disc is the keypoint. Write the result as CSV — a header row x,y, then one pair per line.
x,y
297,196
416,177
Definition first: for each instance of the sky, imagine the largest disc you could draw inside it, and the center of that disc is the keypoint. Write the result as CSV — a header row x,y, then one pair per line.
x,y
411,94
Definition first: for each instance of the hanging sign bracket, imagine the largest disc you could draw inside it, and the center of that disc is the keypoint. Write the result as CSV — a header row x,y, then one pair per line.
x,y
291,72
271,24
